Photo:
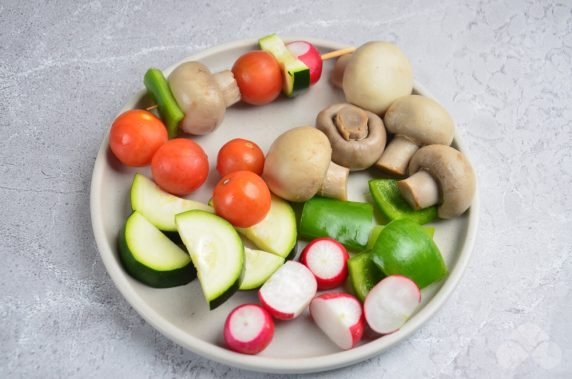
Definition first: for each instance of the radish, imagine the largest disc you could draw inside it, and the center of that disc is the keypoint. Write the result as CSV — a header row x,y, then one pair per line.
x,y
340,317
248,329
310,56
390,303
288,291
328,261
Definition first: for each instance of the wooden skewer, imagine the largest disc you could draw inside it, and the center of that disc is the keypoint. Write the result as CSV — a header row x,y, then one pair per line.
x,y
338,53
152,107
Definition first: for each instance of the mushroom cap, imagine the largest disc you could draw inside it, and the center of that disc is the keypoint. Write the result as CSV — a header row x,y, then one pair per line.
x,y
198,96
453,173
376,75
354,154
296,163
420,119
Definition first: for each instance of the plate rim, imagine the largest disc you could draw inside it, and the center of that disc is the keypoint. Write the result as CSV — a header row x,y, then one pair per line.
x,y
263,363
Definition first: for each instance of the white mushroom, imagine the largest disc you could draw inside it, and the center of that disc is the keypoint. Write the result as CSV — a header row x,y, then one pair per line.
x,y
298,166
377,74
357,136
415,121
202,96
439,175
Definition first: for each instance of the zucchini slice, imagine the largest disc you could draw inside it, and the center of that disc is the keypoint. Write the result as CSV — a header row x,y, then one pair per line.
x,y
216,251
152,258
296,73
276,233
158,206
258,267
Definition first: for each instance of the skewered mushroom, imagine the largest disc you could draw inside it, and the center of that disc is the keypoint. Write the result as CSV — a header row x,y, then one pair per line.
x,y
202,96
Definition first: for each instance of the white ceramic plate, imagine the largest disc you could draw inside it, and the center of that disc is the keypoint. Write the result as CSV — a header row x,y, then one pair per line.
x,y
181,313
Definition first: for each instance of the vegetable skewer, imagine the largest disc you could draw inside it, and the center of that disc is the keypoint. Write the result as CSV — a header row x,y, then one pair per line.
x,y
300,62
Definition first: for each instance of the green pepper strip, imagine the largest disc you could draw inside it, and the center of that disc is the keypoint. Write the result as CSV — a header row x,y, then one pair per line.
x,y
348,222
393,206
169,110
363,273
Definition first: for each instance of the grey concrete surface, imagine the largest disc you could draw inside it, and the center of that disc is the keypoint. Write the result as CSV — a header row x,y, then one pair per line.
x,y
502,68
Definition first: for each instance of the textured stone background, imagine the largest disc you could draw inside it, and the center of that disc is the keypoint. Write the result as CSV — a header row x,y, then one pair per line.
x,y
503,69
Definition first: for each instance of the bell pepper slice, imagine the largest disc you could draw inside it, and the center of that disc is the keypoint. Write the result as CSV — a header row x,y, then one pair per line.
x,y
169,110
405,248
393,206
348,222
363,274
376,230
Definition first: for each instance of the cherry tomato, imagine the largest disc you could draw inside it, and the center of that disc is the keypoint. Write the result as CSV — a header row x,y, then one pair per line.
x,y
259,77
242,198
180,166
239,154
135,136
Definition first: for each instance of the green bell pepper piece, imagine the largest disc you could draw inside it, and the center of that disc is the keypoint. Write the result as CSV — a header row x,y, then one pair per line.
x,y
376,230
169,110
363,273
393,206
405,248
348,222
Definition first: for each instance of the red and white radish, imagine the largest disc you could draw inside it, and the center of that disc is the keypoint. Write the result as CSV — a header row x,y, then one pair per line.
x,y
390,303
310,56
328,261
288,291
248,329
340,317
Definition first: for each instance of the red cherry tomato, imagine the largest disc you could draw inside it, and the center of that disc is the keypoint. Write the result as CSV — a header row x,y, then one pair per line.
x,y
259,77
240,154
180,166
242,198
135,136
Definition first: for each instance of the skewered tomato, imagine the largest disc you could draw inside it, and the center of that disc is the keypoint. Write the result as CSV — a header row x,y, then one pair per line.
x,y
135,136
180,166
259,77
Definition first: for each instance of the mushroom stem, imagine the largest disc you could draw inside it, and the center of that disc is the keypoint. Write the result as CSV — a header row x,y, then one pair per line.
x,y
420,190
351,123
396,156
335,182
337,75
228,87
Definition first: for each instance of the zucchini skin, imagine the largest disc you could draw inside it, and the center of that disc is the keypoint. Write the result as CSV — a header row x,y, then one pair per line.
x,y
214,303
300,84
292,254
148,276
